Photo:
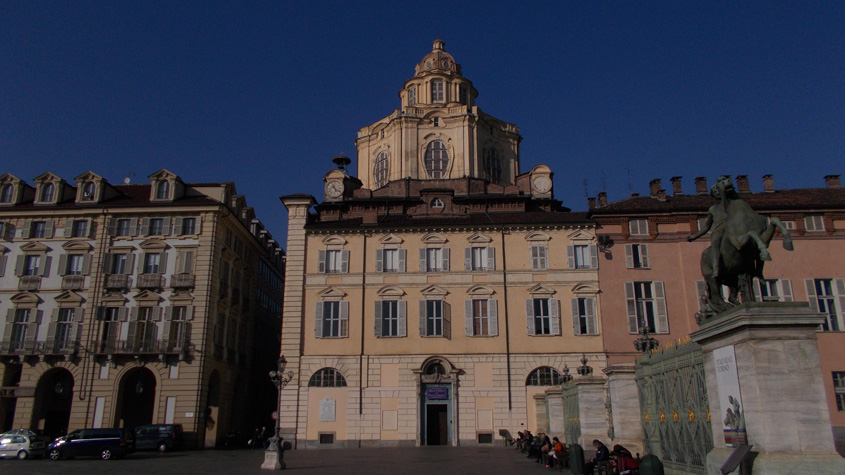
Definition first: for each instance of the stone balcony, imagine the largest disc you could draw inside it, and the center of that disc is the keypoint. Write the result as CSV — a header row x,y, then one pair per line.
x,y
29,283
182,281
73,282
117,281
150,281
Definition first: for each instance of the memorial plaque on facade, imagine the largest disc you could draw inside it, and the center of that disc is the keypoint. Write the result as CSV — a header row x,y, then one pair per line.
x,y
327,406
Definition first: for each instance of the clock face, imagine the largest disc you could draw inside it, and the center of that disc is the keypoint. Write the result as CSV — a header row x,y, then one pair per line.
x,y
334,189
542,184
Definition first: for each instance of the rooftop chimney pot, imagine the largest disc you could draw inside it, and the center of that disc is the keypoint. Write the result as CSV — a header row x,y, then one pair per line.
x,y
768,184
742,184
654,187
832,181
676,185
701,185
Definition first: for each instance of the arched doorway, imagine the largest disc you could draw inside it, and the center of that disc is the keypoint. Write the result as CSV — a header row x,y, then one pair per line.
x,y
136,398
212,411
53,400
437,379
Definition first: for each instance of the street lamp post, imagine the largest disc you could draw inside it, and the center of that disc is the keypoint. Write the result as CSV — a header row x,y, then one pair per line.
x,y
274,454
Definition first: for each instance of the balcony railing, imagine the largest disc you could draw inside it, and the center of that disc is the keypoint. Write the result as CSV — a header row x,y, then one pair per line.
x,y
19,347
117,281
181,281
142,346
62,347
29,282
73,282
150,281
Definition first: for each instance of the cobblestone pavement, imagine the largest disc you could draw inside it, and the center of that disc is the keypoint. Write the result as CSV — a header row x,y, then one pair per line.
x,y
406,461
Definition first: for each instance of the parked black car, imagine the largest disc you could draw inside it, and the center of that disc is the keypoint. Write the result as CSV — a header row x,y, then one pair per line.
x,y
161,437
104,443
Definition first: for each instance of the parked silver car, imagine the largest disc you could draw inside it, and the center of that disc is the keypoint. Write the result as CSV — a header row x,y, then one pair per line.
x,y
21,444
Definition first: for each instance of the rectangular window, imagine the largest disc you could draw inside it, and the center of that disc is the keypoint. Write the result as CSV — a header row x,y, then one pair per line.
x,y
333,261
79,228
463,96
638,227
826,302
178,326
539,260
584,316
31,265
480,317
332,319
774,290
814,223
74,264
434,259
839,389
480,258
38,230
189,225
156,227
636,256
124,227
646,306
412,96
434,318
118,264
390,260
152,263
390,318
542,318
437,91
19,328
64,328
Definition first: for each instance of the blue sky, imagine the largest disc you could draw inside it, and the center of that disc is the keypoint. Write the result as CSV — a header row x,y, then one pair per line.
x,y
266,93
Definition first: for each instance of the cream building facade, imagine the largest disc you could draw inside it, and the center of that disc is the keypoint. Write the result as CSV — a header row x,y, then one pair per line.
x,y
134,304
430,298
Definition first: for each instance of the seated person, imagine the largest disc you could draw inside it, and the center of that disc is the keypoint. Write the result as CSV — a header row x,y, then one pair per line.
x,y
602,455
623,460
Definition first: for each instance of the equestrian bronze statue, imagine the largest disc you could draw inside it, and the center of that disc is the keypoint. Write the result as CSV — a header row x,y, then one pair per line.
x,y
739,242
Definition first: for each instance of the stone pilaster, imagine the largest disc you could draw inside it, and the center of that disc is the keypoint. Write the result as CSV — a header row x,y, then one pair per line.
x,y
542,416
625,406
777,363
591,405
554,403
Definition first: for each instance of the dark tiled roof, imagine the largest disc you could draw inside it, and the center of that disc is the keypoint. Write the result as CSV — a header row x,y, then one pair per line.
x,y
781,200
475,219
129,195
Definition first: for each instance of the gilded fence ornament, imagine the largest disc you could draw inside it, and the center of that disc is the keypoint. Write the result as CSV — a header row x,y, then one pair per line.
x,y
739,241
691,415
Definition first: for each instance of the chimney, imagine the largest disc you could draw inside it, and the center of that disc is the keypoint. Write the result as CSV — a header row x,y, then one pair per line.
x,y
654,187
742,184
602,199
768,184
661,195
676,185
832,181
701,185
591,202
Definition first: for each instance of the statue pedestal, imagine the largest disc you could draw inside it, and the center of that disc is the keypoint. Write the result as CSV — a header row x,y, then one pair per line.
x,y
591,405
625,403
273,460
772,349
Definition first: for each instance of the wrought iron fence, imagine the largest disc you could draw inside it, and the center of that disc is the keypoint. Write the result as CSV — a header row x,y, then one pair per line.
x,y
571,414
676,414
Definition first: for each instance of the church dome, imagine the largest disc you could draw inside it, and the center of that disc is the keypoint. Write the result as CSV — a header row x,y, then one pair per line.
x,y
438,60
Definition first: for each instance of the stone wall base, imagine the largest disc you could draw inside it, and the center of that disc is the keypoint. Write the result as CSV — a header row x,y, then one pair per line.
x,y
779,464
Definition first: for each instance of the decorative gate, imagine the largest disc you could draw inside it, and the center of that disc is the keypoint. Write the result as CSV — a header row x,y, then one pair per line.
x,y
676,414
571,414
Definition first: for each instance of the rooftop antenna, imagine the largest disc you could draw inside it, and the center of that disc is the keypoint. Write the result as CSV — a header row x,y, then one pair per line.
x,y
628,171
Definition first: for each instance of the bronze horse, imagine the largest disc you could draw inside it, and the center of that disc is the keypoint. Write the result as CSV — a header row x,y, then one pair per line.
x,y
742,250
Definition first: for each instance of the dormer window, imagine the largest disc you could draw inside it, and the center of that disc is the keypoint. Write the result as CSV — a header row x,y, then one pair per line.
x,y
163,190
88,191
437,91
412,95
7,193
437,121
48,192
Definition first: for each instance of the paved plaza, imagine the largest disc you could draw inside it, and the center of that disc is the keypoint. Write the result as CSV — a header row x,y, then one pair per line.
x,y
407,460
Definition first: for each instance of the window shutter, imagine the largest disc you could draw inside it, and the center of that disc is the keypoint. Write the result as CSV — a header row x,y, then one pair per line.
x,y
554,316
758,289
62,264
189,312
494,317
145,226
377,318
44,266
130,264
198,225
570,257
156,314
89,225
86,264
321,264
629,256
662,318
403,322
644,255
168,314
27,229
633,325
379,260
403,254
811,294
467,258
423,265
32,327
445,253
10,321
447,321
529,316
491,258
594,256
468,317
344,262
19,262
840,292
701,292
112,230
133,314
133,226
423,316
130,334
3,259
318,321
162,267
78,328
590,308
167,228
785,289
48,229
67,231
576,322
177,225
344,319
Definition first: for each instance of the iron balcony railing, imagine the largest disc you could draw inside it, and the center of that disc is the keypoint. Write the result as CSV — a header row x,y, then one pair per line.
x,y
142,346
55,347
150,281
19,347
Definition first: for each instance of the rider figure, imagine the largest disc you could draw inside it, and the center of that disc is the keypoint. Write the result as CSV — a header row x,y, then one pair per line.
x,y
716,219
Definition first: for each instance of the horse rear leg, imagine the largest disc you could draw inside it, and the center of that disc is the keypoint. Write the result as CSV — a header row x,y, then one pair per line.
x,y
761,246
787,239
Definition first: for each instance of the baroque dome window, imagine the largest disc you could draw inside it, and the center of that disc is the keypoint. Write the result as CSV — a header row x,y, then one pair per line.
x,y
380,170
493,166
436,159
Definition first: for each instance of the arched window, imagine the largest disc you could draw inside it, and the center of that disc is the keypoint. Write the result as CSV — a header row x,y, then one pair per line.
x,y
436,203
6,193
380,170
327,378
544,376
163,190
493,166
436,159
47,192
435,368
88,191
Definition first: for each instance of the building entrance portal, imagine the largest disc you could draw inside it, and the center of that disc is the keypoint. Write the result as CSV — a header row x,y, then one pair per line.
x,y
436,425
137,398
437,384
53,401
